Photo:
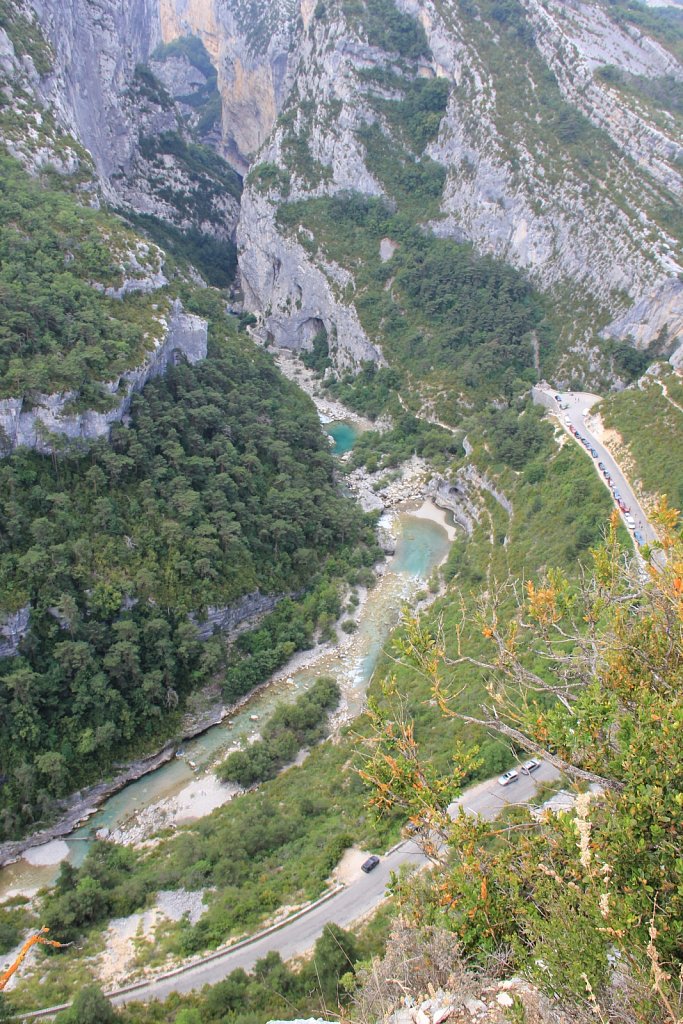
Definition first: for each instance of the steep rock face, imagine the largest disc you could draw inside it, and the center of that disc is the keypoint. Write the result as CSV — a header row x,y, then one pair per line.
x,y
13,629
241,613
97,109
97,45
34,421
296,290
251,46
516,199
581,208
300,296
578,40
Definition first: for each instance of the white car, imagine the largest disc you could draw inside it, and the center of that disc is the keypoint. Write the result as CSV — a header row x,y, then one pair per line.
x,y
507,777
568,421
630,521
530,766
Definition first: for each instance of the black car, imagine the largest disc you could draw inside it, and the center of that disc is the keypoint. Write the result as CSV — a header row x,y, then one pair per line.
x,y
370,864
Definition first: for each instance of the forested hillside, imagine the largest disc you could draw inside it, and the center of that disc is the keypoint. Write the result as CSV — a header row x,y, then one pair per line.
x,y
221,485
58,330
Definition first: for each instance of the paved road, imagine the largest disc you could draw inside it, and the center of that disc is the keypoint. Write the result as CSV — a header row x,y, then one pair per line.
x,y
362,895
579,403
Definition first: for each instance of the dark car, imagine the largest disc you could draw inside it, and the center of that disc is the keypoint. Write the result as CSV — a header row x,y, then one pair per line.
x,y
601,465
370,864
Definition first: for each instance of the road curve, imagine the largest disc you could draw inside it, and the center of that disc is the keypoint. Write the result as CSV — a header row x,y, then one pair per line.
x,y
578,404
299,934
357,899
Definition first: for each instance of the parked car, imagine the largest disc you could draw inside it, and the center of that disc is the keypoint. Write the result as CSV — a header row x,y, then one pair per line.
x,y
617,495
507,777
568,421
558,398
530,766
630,521
601,465
370,864
594,453
638,537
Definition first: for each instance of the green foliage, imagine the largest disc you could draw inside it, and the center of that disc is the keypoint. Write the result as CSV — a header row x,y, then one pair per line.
x,y
388,28
418,114
664,23
588,672
147,86
665,91
290,728
408,437
201,163
267,176
652,431
9,934
272,990
415,184
26,36
105,886
515,439
215,260
190,47
369,392
440,311
204,98
318,358
89,1007
222,484
57,331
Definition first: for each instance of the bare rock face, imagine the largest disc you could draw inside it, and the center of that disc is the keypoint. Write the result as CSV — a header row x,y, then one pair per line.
x,y
97,45
44,422
299,296
513,199
251,46
13,629
516,191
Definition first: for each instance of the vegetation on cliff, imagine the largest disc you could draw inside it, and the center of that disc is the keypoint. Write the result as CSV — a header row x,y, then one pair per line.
x,y
58,330
221,485
587,674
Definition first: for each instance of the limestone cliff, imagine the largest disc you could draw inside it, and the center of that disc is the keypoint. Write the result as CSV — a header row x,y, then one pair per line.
x,y
547,166
46,423
560,156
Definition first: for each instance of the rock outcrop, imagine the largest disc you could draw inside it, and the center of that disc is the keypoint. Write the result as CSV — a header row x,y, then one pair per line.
x,y
299,297
516,186
295,82
240,614
45,423
13,629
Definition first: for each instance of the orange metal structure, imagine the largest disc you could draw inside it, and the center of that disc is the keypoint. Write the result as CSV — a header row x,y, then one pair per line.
x,y
37,939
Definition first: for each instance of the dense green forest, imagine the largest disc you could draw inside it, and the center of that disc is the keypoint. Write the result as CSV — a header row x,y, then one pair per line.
x,y
58,331
221,485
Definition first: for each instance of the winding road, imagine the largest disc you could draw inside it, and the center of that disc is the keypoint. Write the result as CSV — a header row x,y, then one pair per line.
x,y
298,934
579,403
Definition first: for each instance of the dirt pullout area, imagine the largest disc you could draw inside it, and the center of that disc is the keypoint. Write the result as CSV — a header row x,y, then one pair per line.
x,y
117,963
349,867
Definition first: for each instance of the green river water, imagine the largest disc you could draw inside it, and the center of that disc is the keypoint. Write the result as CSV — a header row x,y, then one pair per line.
x,y
421,545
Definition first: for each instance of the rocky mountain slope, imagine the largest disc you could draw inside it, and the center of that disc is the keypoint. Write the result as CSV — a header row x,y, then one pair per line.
x,y
558,141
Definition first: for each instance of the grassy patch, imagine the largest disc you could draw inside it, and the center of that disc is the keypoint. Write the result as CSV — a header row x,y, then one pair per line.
x,y
652,430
